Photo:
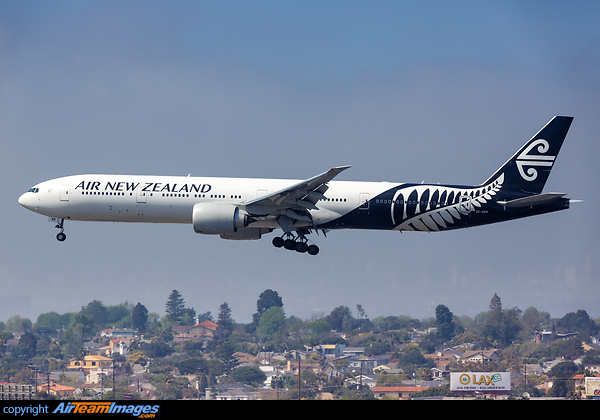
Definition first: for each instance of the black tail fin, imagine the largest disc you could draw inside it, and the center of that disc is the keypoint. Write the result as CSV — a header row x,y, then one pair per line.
x,y
528,170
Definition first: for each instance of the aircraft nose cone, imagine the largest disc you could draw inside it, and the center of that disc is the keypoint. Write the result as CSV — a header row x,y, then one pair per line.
x,y
27,201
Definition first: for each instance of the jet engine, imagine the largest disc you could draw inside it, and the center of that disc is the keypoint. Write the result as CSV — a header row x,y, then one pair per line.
x,y
226,220
218,218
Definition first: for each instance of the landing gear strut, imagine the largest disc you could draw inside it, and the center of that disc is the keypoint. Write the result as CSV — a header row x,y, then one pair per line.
x,y
61,235
295,243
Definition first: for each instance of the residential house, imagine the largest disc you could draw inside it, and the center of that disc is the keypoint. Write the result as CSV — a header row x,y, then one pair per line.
x,y
201,332
354,351
364,380
118,333
593,368
96,376
228,392
330,350
398,392
233,395
90,362
479,356
119,346
546,336
438,374
443,360
292,367
534,369
390,369
270,373
61,391
364,364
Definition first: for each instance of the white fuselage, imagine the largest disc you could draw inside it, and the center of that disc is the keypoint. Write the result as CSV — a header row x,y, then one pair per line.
x,y
170,199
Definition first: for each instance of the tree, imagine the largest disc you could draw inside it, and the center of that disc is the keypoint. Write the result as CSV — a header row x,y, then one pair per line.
x,y
17,324
495,306
577,322
532,319
175,306
119,315
27,346
267,299
271,323
445,323
224,322
139,317
52,321
501,326
226,355
97,312
337,317
249,375
191,366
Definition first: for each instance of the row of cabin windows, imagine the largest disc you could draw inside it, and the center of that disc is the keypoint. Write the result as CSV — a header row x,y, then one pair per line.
x,y
409,202
164,195
201,196
233,196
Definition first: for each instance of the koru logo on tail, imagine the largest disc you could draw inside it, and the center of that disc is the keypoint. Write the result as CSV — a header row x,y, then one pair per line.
x,y
532,161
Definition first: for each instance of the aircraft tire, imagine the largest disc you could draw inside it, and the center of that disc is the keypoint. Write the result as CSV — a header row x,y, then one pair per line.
x,y
278,242
313,250
61,237
301,247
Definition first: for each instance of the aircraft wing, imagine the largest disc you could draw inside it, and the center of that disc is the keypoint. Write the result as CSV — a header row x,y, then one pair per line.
x,y
292,204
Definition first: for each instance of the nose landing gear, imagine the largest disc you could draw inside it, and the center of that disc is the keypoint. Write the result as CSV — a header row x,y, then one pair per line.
x,y
295,243
61,235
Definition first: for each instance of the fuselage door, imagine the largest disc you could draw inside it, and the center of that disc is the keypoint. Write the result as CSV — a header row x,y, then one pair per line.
x,y
363,201
65,192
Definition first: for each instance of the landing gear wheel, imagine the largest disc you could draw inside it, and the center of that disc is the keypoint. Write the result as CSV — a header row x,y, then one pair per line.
x,y
298,243
61,225
301,247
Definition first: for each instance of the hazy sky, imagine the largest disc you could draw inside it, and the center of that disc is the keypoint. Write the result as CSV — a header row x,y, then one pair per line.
x,y
429,91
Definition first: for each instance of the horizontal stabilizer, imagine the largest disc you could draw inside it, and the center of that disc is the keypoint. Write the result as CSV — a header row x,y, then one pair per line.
x,y
533,200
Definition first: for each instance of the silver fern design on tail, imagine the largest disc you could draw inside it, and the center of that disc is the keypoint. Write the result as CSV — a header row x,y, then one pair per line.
x,y
429,208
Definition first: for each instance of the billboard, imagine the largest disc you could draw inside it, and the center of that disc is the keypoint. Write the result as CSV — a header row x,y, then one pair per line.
x,y
480,381
592,387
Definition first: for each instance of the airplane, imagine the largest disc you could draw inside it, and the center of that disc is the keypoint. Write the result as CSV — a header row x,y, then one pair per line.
x,y
247,208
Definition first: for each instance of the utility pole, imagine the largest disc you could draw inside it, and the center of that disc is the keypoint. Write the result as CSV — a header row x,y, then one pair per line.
x,y
360,379
277,382
113,377
298,376
48,383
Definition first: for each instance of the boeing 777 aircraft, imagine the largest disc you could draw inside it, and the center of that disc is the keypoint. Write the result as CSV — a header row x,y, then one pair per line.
x,y
247,208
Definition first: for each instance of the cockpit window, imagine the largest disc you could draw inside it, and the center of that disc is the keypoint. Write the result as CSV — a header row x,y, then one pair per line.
x,y
34,190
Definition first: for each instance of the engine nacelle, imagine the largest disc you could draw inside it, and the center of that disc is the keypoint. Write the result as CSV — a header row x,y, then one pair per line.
x,y
218,218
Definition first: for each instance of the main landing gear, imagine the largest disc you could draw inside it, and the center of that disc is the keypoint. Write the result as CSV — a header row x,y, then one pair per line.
x,y
295,243
61,235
